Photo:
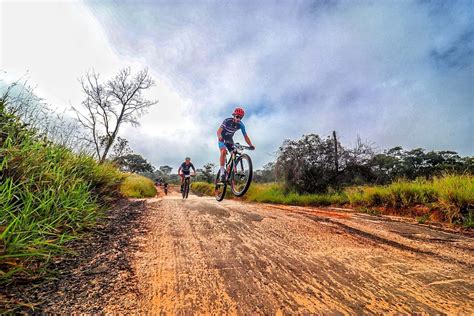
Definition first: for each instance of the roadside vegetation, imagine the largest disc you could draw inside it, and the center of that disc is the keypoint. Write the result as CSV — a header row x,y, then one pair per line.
x,y
316,171
55,182
448,198
137,186
48,194
428,185
319,165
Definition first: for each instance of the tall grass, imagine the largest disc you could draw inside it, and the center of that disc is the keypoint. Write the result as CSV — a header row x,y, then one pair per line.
x,y
398,194
203,188
275,193
137,186
48,195
456,195
451,197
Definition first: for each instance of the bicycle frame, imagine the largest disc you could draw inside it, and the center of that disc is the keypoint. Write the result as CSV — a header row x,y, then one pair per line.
x,y
230,165
186,184
236,156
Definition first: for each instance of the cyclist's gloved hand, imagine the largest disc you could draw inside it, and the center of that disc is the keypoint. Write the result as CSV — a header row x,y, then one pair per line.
x,y
252,147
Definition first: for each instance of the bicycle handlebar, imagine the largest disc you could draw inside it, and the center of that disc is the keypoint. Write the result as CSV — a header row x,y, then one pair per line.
x,y
239,146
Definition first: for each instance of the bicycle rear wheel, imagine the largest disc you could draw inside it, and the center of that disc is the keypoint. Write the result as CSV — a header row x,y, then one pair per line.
x,y
241,175
220,188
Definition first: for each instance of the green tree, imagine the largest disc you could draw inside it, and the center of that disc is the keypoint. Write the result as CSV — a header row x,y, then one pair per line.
x,y
208,172
397,163
266,174
134,163
166,170
307,165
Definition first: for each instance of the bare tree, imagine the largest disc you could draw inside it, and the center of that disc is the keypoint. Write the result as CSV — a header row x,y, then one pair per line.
x,y
109,105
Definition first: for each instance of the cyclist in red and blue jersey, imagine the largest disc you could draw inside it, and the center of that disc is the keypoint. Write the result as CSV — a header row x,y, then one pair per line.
x,y
185,169
225,135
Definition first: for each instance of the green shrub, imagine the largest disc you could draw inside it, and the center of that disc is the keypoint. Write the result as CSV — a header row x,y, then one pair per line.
x,y
137,186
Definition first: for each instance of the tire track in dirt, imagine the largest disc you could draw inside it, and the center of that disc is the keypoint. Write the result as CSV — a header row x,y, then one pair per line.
x,y
178,278
207,257
376,240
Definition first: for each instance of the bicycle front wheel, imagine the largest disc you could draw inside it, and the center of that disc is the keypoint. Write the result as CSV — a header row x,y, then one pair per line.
x,y
188,185
220,188
185,188
241,175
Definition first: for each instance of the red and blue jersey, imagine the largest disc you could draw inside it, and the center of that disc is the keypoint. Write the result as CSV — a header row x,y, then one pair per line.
x,y
186,168
229,127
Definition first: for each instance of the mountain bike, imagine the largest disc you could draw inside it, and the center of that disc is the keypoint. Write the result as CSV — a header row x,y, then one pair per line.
x,y
238,175
186,184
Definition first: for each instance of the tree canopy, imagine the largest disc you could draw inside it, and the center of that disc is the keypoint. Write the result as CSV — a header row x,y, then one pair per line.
x,y
310,164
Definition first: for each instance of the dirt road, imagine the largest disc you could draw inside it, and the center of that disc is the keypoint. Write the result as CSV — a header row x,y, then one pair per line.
x,y
200,256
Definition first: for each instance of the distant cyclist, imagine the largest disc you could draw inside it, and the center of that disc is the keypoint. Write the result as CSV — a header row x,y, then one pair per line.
x,y
225,135
185,170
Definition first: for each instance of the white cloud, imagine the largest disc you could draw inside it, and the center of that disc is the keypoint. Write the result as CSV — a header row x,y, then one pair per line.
x,y
52,44
55,43
382,70
359,68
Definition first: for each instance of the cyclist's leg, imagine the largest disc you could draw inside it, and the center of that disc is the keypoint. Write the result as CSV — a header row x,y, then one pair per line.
x,y
229,144
230,148
223,154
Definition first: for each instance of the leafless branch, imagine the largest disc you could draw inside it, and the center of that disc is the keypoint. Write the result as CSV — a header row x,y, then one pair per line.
x,y
112,104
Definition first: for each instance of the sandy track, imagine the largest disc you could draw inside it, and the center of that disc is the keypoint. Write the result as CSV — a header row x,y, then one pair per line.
x,y
200,256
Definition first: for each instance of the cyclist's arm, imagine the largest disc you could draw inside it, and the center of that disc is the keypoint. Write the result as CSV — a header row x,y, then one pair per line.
x,y
179,170
249,142
194,170
219,134
246,137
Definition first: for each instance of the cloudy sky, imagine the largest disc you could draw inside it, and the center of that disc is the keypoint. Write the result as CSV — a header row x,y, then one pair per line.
x,y
391,72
